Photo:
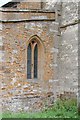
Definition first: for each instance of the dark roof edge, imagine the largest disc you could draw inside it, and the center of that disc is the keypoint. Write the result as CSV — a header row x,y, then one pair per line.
x,y
10,4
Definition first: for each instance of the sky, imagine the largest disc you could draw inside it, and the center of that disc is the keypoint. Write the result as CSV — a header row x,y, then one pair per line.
x,y
2,2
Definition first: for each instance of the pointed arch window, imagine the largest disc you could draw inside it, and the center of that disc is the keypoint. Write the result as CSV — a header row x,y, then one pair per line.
x,y
32,60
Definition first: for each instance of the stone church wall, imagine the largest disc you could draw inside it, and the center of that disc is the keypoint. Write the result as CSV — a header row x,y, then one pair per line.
x,y
14,80
68,47
15,36
67,37
60,39
15,40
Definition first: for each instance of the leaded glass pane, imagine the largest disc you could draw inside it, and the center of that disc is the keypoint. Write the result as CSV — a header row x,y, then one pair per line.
x,y
29,62
35,61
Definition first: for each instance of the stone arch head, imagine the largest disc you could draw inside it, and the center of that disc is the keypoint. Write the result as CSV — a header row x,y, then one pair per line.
x,y
38,40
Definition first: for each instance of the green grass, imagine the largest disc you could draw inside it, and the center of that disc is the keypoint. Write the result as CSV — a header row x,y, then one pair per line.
x,y
60,109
